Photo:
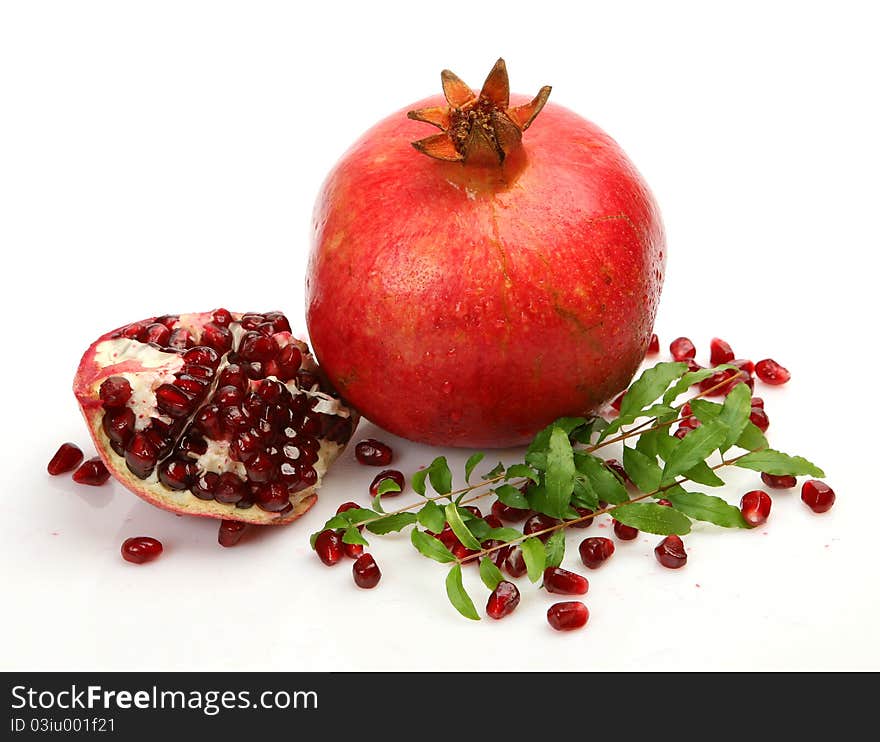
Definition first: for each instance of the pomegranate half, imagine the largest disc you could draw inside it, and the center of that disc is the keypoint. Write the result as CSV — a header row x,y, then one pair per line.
x,y
218,414
469,287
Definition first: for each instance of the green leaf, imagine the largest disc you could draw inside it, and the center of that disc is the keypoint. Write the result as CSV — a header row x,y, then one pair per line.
x,y
376,502
702,473
390,523
458,595
458,527
705,507
704,410
478,527
503,534
440,476
358,515
430,546
417,481
584,495
512,497
470,464
649,386
534,556
559,477
497,470
521,470
643,470
386,486
584,432
685,382
353,536
554,549
778,463
735,413
694,448
604,483
752,439
313,538
652,518
337,521
431,517
489,573
538,450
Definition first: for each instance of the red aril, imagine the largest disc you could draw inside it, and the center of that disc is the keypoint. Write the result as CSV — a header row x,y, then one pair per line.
x,y
503,600
595,551
328,546
757,402
584,513
653,345
230,532
371,452
505,512
384,476
210,424
558,580
755,507
352,551
779,482
770,372
366,572
682,349
759,418
670,552
140,549
515,563
625,532
720,352
66,458
817,495
568,616
347,506
540,522
475,254
92,472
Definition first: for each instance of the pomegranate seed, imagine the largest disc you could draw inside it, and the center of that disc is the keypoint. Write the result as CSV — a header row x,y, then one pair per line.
x,y
617,401
595,551
347,506
744,364
204,486
329,547
67,457
157,333
222,317
180,339
681,432
230,489
255,346
392,474
719,383
664,502
371,452
500,551
460,551
693,365
493,521
273,498
201,355
474,510
755,507
352,551
505,512
719,352
625,532
682,349
230,532
140,549
366,572
558,580
757,402
615,466
503,600
779,482
141,455
540,522
759,418
92,472
567,616
817,495
654,344
173,401
289,360
670,552
515,563
177,475
770,372
583,513
115,391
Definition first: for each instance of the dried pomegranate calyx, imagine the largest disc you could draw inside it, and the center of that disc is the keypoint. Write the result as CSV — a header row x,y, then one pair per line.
x,y
480,129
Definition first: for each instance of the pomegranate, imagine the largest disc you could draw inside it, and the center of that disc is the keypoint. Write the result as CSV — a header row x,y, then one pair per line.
x,y
218,414
485,253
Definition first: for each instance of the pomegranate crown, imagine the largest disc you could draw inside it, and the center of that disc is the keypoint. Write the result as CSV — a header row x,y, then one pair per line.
x,y
477,129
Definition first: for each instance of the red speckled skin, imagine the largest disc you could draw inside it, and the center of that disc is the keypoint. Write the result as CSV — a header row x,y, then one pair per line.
x,y
465,306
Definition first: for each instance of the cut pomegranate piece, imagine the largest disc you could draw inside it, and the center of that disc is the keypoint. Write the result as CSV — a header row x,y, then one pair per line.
x,y
682,349
653,345
371,452
670,552
817,495
218,414
595,551
92,472
382,476
625,532
503,600
779,482
230,532
558,580
755,507
140,549
328,546
366,572
567,616
719,352
770,372
66,458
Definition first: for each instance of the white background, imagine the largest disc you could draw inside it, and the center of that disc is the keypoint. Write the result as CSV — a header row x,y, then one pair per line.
x,y
165,156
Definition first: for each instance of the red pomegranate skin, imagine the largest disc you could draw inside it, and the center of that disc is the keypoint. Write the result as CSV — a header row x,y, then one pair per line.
x,y
470,306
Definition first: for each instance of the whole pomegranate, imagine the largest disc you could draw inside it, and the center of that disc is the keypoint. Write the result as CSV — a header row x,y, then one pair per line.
x,y
217,414
471,290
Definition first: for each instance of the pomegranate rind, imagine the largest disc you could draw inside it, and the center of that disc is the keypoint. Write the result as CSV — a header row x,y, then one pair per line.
x,y
92,372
